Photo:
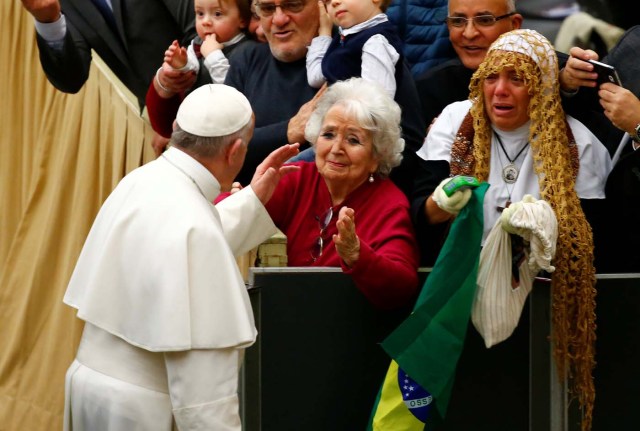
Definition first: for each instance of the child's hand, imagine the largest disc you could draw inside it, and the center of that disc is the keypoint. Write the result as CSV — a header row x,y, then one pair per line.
x,y
175,56
210,44
326,24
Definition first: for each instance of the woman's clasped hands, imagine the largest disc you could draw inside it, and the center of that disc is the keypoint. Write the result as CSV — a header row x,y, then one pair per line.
x,y
346,241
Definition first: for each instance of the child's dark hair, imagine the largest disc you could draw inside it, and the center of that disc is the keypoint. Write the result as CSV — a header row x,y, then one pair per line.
x,y
384,4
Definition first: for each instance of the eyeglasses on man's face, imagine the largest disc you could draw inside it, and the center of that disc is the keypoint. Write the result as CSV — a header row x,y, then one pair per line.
x,y
318,244
479,20
266,9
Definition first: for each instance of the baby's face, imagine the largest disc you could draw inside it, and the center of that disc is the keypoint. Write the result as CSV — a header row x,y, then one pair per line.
x,y
221,18
347,13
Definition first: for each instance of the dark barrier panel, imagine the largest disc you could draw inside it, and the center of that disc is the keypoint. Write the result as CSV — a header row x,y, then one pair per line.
x,y
317,364
617,372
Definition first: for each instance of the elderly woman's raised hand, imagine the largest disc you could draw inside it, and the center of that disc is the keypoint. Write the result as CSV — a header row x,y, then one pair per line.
x,y
235,187
346,241
169,81
577,72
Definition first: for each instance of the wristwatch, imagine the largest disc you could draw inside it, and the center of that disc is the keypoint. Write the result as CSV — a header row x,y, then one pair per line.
x,y
636,135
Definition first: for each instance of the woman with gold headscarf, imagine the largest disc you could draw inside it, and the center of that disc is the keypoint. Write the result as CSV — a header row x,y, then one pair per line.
x,y
513,134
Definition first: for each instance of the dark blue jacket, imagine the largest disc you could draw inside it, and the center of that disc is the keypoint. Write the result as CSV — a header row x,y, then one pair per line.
x,y
421,25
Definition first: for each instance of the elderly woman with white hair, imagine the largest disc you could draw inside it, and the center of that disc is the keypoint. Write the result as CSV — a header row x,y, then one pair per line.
x,y
513,134
342,210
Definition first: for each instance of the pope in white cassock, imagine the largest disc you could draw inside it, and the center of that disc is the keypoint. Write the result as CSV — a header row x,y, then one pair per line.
x,y
166,311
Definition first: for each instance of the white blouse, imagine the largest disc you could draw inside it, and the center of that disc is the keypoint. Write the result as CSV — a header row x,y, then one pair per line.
x,y
595,162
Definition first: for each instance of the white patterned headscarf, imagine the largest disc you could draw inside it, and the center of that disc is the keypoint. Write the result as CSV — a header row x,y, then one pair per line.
x,y
533,45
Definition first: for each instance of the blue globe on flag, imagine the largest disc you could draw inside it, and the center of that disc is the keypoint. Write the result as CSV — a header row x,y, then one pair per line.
x,y
417,399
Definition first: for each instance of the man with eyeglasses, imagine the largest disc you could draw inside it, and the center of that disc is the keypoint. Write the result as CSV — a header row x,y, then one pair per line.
x,y
473,26
274,79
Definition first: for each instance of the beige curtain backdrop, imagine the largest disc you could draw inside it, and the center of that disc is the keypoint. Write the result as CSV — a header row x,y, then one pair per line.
x,y
60,156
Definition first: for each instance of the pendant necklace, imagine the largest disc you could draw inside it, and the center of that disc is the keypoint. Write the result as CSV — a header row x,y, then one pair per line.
x,y
510,171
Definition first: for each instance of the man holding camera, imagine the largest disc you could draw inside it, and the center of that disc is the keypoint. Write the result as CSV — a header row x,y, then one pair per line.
x,y
613,114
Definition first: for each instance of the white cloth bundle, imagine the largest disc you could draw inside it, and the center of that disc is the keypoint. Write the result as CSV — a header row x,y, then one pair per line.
x,y
497,306
535,221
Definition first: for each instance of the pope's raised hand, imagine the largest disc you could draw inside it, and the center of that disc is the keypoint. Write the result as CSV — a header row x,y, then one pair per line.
x,y
269,172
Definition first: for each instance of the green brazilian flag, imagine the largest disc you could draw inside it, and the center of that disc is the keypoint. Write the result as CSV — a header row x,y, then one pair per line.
x,y
427,345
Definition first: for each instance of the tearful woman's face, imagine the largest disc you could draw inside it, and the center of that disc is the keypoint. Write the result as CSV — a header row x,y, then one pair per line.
x,y
506,99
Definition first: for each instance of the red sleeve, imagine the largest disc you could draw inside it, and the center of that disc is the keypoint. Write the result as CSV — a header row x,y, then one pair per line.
x,y
222,196
162,111
388,275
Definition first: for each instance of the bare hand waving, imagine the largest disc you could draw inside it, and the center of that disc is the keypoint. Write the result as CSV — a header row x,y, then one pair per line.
x,y
269,172
43,10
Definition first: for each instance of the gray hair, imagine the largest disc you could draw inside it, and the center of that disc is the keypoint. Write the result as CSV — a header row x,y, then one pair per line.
x,y
510,4
373,109
207,146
